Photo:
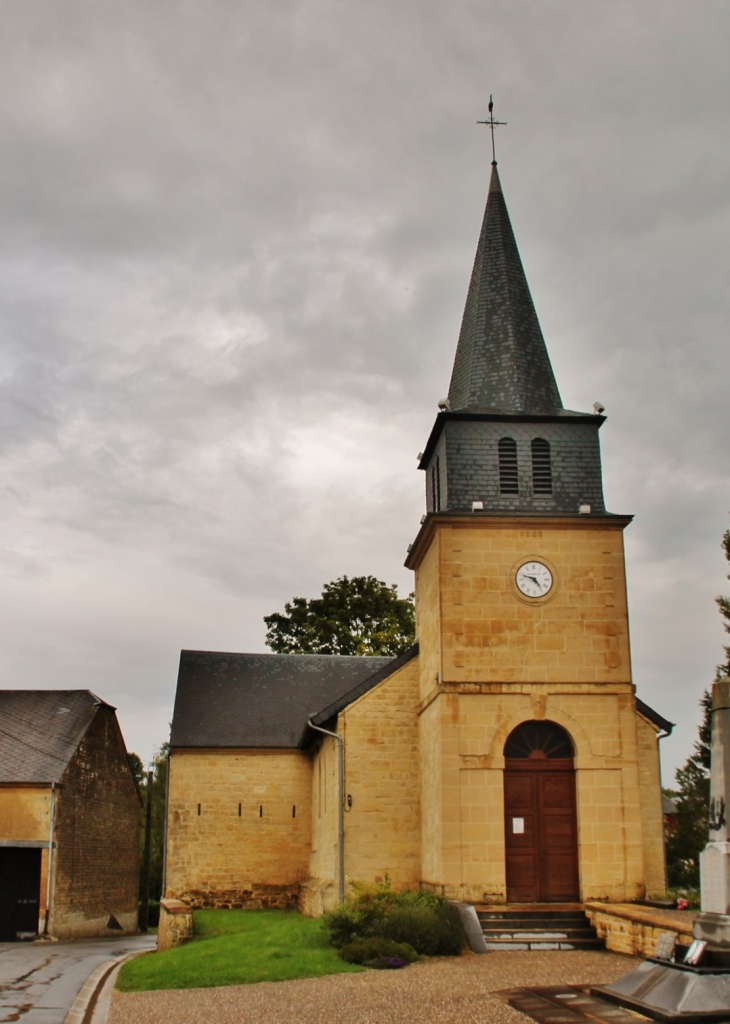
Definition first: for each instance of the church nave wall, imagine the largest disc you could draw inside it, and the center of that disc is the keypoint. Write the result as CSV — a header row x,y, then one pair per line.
x,y
239,827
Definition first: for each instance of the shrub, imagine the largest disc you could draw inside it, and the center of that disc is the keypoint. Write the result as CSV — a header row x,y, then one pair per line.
x,y
432,931
426,922
376,951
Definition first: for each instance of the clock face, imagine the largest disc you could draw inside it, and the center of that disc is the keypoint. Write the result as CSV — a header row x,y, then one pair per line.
x,y
534,579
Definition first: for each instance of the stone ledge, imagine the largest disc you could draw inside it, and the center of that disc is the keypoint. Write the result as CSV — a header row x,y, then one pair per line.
x,y
175,906
635,930
646,915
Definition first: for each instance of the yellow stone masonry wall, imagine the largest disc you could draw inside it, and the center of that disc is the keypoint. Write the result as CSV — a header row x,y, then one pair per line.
x,y
424,748
383,826
222,858
635,931
321,887
651,808
431,794
428,619
505,660
491,634
383,823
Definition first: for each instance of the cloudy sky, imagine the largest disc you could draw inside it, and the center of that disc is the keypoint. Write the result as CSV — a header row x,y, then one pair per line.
x,y
235,242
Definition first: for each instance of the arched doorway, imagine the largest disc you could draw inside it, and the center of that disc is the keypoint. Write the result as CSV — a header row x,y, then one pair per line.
x,y
541,833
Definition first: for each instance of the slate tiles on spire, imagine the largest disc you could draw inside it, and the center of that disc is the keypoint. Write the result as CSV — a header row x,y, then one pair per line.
x,y
501,363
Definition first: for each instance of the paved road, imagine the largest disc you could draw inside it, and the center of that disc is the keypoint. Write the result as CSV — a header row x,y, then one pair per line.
x,y
40,980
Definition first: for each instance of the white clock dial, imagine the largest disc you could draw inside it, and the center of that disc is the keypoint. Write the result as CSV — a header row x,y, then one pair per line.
x,y
534,579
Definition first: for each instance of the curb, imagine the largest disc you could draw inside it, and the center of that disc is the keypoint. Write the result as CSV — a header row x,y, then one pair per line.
x,y
91,1005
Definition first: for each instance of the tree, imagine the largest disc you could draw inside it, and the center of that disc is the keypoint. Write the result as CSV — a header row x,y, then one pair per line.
x,y
689,838
137,769
723,603
159,800
693,798
360,616
157,795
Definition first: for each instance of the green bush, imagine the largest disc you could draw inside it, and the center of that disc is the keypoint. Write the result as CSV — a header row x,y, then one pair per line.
x,y
377,951
432,931
421,919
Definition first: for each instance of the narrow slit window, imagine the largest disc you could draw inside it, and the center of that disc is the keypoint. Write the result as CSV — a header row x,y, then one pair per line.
x,y
198,810
436,485
508,478
239,810
542,471
294,811
261,810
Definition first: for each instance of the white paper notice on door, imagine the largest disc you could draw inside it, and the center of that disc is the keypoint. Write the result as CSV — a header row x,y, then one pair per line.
x,y
518,826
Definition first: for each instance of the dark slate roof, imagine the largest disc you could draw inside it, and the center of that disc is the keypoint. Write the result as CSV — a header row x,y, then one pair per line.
x,y
40,731
259,700
654,717
501,363
367,684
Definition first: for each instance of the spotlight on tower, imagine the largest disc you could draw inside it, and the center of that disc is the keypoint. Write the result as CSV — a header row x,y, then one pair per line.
x,y
598,408
444,405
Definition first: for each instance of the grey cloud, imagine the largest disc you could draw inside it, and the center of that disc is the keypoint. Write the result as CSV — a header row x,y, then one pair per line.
x,y
235,241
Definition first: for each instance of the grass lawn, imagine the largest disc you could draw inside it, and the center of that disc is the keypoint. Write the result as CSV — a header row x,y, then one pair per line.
x,y
237,947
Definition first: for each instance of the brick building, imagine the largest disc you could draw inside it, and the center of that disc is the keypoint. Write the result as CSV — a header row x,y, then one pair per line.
x,y
505,757
67,800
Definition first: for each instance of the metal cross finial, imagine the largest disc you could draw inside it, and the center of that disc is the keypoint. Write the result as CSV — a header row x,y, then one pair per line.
x,y
492,125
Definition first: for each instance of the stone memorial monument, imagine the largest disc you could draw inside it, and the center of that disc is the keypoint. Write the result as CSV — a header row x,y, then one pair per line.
x,y
713,924
696,988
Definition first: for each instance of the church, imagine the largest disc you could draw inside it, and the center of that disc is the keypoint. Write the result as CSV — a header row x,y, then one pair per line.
x,y
505,757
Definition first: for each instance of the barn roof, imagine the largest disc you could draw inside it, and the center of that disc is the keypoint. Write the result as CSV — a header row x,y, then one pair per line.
x,y
261,700
40,731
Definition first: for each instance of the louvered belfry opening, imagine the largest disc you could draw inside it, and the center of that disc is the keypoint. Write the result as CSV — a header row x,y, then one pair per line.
x,y
436,485
508,479
542,473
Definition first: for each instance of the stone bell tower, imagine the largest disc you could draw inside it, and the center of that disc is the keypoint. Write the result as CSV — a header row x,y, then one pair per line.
x,y
540,778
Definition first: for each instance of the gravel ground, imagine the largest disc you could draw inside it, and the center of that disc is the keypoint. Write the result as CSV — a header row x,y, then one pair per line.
x,y
445,991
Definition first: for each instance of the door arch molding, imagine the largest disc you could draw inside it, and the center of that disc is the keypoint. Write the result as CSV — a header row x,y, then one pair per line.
x,y
579,737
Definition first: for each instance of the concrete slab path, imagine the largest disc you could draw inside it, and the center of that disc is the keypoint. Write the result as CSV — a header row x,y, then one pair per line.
x,y
39,981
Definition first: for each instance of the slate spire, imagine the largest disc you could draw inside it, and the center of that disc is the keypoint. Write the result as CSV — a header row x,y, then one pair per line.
x,y
501,363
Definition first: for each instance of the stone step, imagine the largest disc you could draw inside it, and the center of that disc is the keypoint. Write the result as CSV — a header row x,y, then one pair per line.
x,y
531,915
542,942
523,928
533,923
525,934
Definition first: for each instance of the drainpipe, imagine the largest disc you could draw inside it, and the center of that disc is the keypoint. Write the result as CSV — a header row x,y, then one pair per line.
x,y
340,804
49,867
662,736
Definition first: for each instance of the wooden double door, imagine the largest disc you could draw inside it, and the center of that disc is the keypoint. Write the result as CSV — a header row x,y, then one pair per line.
x,y
541,835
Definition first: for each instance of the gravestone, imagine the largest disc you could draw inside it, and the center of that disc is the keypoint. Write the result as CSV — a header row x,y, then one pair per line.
x,y
665,946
